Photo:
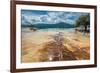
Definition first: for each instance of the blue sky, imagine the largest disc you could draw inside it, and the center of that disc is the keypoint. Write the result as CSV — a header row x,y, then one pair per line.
x,y
49,17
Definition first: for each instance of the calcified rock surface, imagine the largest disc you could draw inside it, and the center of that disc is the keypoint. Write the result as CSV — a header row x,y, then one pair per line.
x,y
40,46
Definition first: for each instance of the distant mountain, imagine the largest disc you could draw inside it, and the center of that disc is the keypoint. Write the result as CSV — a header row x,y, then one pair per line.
x,y
44,26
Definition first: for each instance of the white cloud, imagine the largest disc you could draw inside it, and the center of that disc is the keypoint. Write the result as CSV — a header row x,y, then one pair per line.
x,y
50,18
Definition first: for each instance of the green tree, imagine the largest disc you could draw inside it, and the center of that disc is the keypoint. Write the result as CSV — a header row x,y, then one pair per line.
x,y
84,21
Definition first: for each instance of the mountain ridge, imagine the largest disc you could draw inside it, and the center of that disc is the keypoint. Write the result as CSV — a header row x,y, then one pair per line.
x,y
43,26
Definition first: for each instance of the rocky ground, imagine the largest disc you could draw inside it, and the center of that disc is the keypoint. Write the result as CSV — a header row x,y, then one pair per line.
x,y
56,47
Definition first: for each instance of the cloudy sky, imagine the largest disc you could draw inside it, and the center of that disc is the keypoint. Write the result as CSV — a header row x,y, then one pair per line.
x,y
48,17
